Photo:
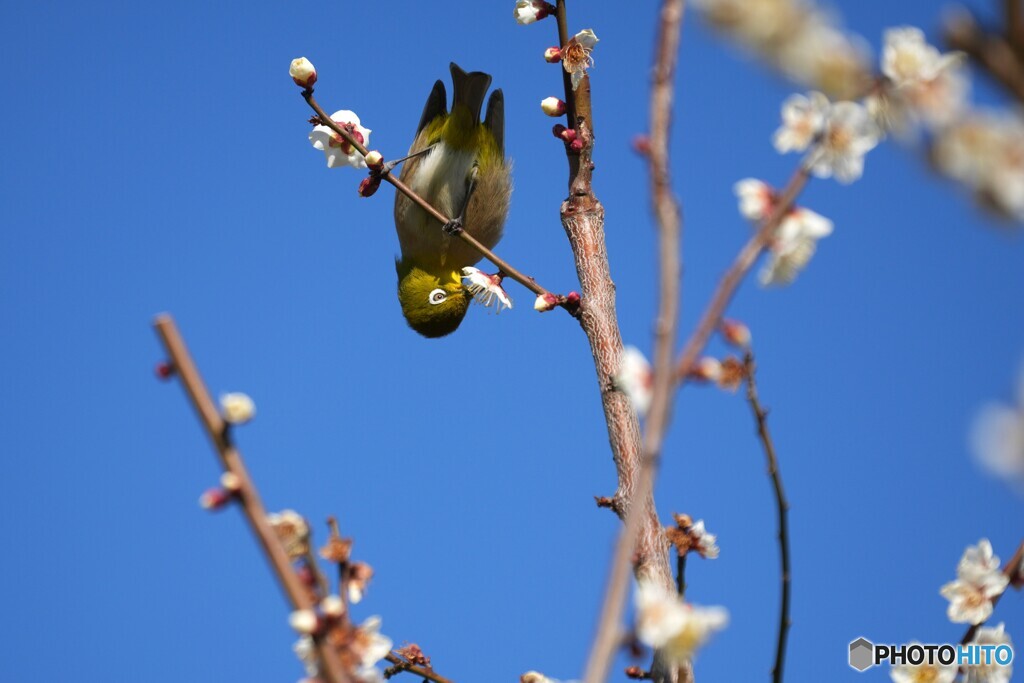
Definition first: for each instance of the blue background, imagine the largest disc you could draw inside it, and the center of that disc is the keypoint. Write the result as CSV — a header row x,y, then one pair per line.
x,y
155,158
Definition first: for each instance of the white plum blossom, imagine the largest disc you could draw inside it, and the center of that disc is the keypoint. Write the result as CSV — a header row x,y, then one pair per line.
x,y
986,152
803,120
237,408
978,581
705,542
305,649
486,288
997,436
576,57
849,134
825,57
795,240
678,629
292,530
338,150
990,672
529,11
635,378
924,672
925,84
370,647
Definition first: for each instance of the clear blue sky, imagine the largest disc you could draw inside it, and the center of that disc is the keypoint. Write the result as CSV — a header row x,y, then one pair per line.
x,y
155,159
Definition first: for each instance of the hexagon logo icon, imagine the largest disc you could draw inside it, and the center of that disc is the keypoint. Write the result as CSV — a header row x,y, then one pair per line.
x,y
862,654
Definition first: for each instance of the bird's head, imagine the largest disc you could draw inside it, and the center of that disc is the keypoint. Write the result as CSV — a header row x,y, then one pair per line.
x,y
433,304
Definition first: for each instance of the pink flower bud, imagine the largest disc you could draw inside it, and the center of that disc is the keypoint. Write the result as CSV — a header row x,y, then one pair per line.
x,y
374,160
552,106
553,55
558,130
306,576
736,333
302,72
572,298
215,499
642,145
706,370
545,302
369,186
164,370
576,145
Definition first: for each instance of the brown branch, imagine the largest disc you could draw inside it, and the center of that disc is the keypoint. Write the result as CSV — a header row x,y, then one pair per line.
x,y
992,51
1010,569
502,265
642,533
782,510
1013,16
248,497
732,278
401,665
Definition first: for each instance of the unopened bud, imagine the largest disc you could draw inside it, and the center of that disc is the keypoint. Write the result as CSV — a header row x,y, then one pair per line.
x,y
706,370
572,298
237,408
736,333
215,499
545,302
374,160
552,55
231,482
576,145
552,106
302,72
304,621
558,130
642,145
636,673
333,607
306,576
164,370
369,186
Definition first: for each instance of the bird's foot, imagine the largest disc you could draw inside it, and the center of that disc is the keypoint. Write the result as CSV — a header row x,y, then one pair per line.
x,y
452,227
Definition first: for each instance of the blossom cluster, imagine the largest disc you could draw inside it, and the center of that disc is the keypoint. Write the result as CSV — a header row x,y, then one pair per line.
x,y
979,580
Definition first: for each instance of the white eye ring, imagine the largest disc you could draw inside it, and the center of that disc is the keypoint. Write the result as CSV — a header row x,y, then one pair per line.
x,y
437,296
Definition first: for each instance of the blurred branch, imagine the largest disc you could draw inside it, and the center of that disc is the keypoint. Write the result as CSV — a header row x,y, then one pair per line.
x,y
642,534
734,276
401,664
248,497
1011,569
781,506
994,52
385,174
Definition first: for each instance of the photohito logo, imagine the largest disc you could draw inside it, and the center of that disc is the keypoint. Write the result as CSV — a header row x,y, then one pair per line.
x,y
864,654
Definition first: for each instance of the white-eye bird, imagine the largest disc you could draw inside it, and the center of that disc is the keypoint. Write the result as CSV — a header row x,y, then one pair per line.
x,y
457,164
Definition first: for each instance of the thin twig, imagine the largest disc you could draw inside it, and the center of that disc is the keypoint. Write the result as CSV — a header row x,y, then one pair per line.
x,y
1012,566
782,509
732,278
248,497
403,665
669,221
502,265
681,575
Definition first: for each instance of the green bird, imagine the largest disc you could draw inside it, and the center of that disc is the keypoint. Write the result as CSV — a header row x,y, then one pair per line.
x,y
457,164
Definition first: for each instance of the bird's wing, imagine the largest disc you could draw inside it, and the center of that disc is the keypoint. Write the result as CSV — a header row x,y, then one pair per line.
x,y
437,105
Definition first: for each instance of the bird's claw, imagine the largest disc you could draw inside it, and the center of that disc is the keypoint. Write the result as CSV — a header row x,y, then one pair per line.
x,y
453,227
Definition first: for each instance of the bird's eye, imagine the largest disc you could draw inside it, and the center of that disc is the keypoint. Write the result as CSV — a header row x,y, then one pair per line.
x,y
437,296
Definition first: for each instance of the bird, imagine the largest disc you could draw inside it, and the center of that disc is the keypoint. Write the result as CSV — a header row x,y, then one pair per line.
x,y
457,164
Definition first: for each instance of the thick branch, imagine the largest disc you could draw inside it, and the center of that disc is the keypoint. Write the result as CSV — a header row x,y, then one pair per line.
x,y
642,533
782,511
502,265
248,497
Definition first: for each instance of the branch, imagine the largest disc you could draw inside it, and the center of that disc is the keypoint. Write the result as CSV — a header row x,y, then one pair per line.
x,y
730,282
502,265
248,497
992,51
401,665
782,508
642,533
1011,568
